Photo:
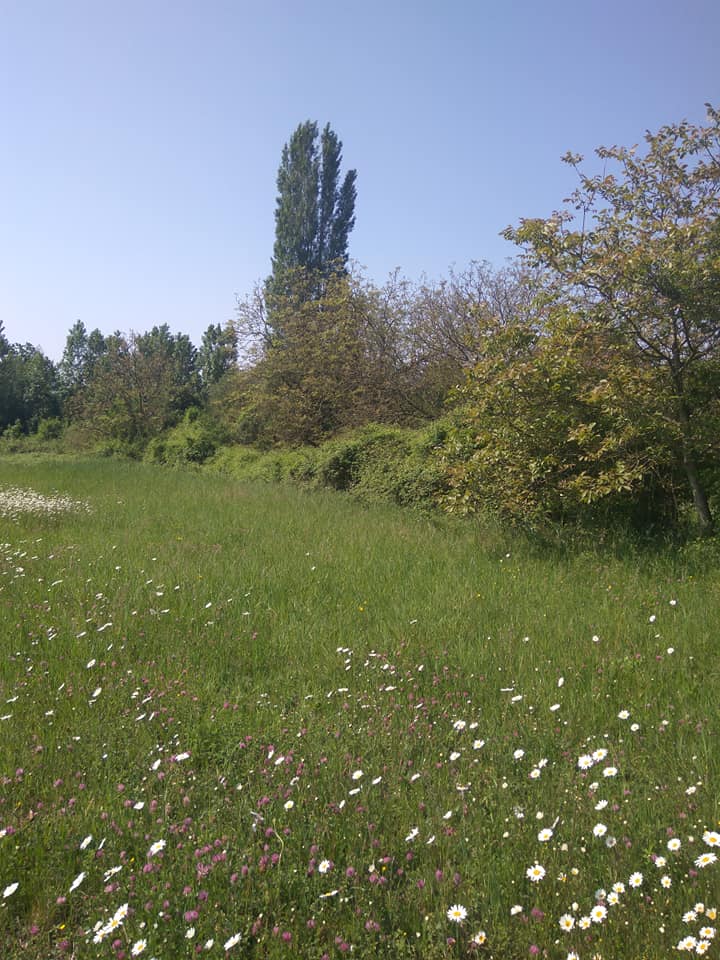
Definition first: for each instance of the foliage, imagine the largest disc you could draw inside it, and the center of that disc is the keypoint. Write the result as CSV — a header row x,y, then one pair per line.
x,y
28,387
640,259
375,463
217,354
560,425
82,352
193,441
321,375
314,213
140,387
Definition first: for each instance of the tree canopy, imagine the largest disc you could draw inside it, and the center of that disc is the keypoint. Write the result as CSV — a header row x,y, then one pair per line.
x,y
315,212
619,385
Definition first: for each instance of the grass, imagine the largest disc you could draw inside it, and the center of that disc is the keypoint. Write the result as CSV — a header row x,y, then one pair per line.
x,y
248,710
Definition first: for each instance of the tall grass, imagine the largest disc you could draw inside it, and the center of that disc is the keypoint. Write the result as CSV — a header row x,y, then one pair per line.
x,y
318,726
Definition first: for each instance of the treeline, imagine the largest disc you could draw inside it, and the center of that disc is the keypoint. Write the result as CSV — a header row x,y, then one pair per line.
x,y
330,352
581,382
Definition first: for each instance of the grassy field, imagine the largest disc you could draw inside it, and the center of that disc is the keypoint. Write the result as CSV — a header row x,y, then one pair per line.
x,y
253,722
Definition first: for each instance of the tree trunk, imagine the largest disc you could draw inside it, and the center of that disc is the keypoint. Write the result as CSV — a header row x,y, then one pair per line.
x,y
699,498
700,502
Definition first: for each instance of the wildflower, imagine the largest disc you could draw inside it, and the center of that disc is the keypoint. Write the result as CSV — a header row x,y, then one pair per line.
x,y
689,917
86,842
584,923
459,725
324,866
232,941
613,899
674,844
687,943
545,835
357,774
636,879
411,836
534,773
599,754
610,772
138,947
535,873
707,933
479,939
121,913
77,881
478,744
289,805
705,859
157,847
599,830
711,838
567,922
10,890
454,756
585,761
702,946
515,910
660,862
190,933
624,714
665,881
598,913
457,913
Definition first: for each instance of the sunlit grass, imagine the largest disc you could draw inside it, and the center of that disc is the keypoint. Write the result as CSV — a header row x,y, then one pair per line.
x,y
327,729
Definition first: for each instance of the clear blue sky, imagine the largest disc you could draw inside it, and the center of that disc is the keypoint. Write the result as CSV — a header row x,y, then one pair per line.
x,y
141,139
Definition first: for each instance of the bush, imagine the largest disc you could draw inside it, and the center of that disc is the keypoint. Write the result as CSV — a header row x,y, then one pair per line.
x,y
193,441
375,463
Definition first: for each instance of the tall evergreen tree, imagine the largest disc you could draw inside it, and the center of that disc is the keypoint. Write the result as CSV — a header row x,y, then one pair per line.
x,y
315,212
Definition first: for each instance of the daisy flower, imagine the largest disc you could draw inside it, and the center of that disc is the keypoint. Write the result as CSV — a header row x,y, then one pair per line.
x,y
479,939
535,873
232,941
636,879
157,847
566,922
598,913
138,947
705,859
545,835
674,844
711,838
457,913
324,866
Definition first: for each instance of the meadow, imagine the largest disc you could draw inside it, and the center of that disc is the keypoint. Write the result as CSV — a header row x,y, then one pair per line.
x,y
245,720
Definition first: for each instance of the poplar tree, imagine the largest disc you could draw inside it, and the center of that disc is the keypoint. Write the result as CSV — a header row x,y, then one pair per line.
x,y
315,212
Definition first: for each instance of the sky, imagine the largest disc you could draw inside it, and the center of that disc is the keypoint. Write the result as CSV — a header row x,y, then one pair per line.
x,y
140,140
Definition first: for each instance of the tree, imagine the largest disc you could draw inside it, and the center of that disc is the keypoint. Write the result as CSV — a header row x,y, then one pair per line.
x,y
28,387
639,259
140,387
217,353
82,351
314,213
